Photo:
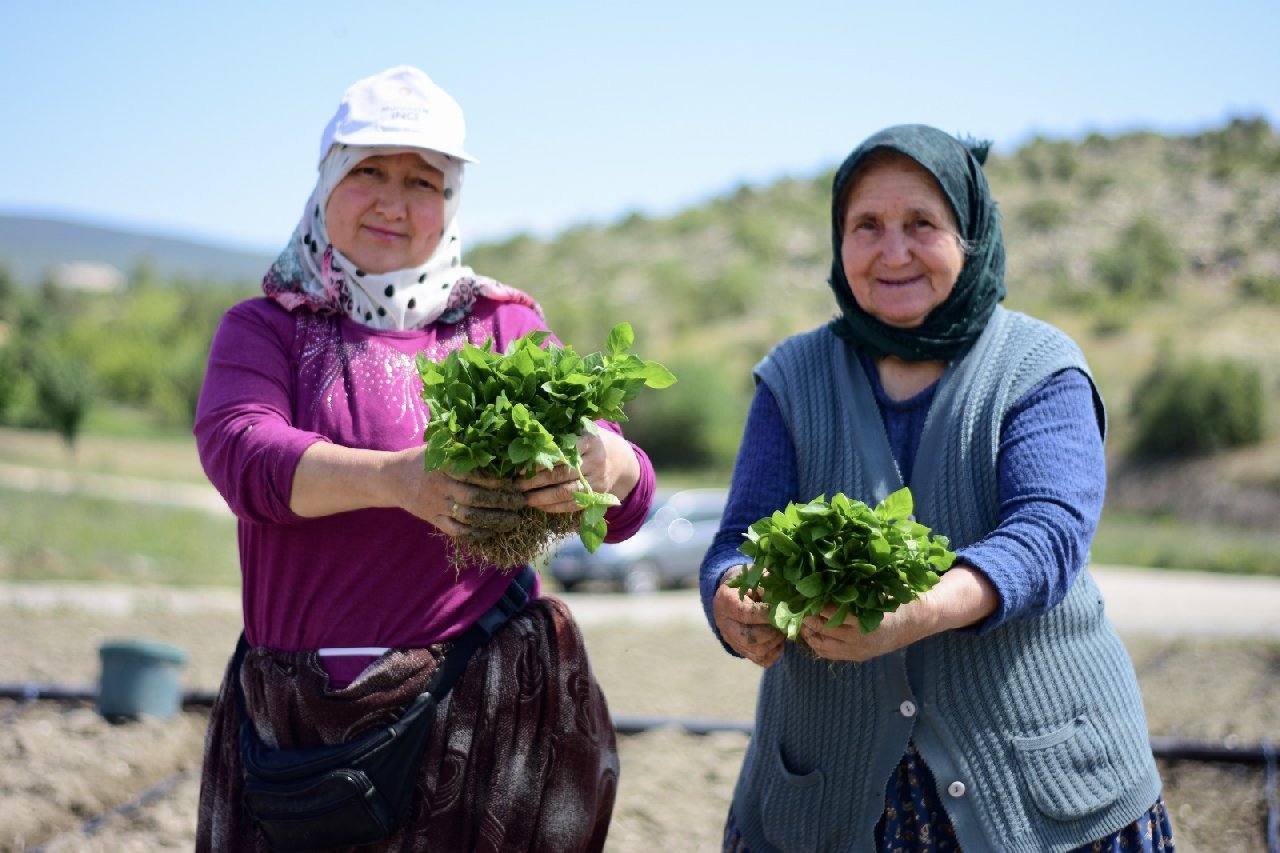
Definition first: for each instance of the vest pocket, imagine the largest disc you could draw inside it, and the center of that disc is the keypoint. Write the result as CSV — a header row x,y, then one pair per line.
x,y
790,807
1067,771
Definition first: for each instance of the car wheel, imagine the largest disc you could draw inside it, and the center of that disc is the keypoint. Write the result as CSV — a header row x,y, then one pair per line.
x,y
568,585
641,578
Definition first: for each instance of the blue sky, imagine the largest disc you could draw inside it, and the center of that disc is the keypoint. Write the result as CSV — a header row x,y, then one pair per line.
x,y
202,119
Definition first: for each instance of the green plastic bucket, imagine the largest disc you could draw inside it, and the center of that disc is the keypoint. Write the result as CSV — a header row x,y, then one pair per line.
x,y
140,677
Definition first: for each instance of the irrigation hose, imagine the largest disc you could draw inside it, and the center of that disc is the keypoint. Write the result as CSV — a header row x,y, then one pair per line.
x,y
25,701
1273,805
1170,749
155,792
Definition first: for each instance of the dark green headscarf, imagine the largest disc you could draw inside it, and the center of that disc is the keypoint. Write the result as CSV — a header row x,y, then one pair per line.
x,y
953,326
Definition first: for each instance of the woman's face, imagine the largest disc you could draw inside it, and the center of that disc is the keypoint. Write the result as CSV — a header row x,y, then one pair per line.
x,y
900,250
387,213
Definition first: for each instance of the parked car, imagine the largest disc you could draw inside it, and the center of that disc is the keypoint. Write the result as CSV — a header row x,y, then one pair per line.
x,y
664,553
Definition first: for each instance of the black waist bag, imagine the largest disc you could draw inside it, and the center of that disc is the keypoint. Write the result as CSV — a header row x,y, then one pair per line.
x,y
358,792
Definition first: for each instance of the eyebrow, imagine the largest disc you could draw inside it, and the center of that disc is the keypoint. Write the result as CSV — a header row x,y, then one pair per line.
x,y
911,212
419,165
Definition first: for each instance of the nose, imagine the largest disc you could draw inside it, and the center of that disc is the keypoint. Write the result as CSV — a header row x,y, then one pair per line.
x,y
390,201
895,250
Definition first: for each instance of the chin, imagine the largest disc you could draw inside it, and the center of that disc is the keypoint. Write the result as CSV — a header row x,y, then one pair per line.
x,y
901,322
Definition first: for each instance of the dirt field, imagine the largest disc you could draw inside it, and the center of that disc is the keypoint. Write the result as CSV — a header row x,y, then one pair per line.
x,y
70,781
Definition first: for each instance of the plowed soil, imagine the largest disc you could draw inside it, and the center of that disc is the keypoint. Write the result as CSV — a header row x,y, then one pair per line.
x,y
71,781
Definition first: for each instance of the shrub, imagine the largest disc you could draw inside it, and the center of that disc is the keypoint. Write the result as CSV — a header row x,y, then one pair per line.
x,y
1141,261
1259,287
1043,214
696,423
10,379
63,394
1197,406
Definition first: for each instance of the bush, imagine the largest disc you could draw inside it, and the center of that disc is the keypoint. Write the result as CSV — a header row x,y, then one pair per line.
x,y
1197,407
63,393
1043,214
10,379
696,423
1140,263
1259,287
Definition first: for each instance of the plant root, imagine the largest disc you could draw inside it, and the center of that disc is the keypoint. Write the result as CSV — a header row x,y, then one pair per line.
x,y
508,550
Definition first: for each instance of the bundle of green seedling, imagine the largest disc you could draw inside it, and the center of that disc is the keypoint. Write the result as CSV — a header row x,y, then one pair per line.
x,y
509,415
866,562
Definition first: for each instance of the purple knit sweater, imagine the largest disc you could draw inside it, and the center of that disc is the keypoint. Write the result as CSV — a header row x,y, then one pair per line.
x,y
279,381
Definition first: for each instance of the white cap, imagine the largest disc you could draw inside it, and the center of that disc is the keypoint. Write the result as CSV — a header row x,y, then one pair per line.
x,y
400,107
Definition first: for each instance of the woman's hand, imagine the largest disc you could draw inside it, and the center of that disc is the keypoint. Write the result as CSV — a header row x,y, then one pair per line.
x,y
846,642
465,506
744,623
962,597
608,464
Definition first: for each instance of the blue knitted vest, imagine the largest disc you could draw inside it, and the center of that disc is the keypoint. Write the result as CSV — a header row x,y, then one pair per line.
x,y
1034,731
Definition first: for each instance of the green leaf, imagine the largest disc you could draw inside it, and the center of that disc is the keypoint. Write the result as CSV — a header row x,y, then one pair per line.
x,y
866,562
620,339
811,586
509,414
657,376
837,618
896,506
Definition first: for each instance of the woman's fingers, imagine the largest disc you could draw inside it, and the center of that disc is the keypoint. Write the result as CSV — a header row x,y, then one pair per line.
x,y
745,625
481,518
467,505
477,490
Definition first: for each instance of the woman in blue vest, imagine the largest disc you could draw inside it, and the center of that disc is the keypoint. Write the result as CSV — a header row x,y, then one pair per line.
x,y
999,711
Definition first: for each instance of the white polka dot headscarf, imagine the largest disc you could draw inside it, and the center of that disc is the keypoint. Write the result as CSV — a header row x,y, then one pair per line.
x,y
311,271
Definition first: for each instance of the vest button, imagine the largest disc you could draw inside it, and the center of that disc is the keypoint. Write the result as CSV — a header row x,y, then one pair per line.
x,y
907,708
956,789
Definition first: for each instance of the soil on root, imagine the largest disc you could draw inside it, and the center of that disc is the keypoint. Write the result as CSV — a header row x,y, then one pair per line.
x,y
533,535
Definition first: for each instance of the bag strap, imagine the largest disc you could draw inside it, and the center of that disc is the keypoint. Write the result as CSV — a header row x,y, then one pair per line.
x,y
513,600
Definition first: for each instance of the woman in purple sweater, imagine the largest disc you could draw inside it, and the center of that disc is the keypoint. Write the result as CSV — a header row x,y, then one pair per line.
x,y
310,424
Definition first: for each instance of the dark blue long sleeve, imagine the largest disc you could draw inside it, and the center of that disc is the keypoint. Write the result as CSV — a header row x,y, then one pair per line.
x,y
1052,480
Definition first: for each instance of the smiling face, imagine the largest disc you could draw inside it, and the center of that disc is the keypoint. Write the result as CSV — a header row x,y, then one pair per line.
x,y
900,251
387,213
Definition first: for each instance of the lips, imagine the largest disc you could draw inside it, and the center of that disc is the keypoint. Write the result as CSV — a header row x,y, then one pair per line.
x,y
384,234
900,282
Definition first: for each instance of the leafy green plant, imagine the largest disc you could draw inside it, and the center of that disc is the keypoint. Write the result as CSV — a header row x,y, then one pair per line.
x,y
865,561
508,415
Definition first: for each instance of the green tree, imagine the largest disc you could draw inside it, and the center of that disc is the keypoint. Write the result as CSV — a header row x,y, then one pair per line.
x,y
63,393
8,294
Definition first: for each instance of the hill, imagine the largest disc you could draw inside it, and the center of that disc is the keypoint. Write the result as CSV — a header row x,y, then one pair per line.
x,y
1144,247
31,246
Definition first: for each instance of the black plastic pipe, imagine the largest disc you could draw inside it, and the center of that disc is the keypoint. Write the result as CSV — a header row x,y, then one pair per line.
x,y
1172,749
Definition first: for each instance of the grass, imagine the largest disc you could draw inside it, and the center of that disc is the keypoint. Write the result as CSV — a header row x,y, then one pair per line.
x,y
164,456
72,538
1175,543
47,537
